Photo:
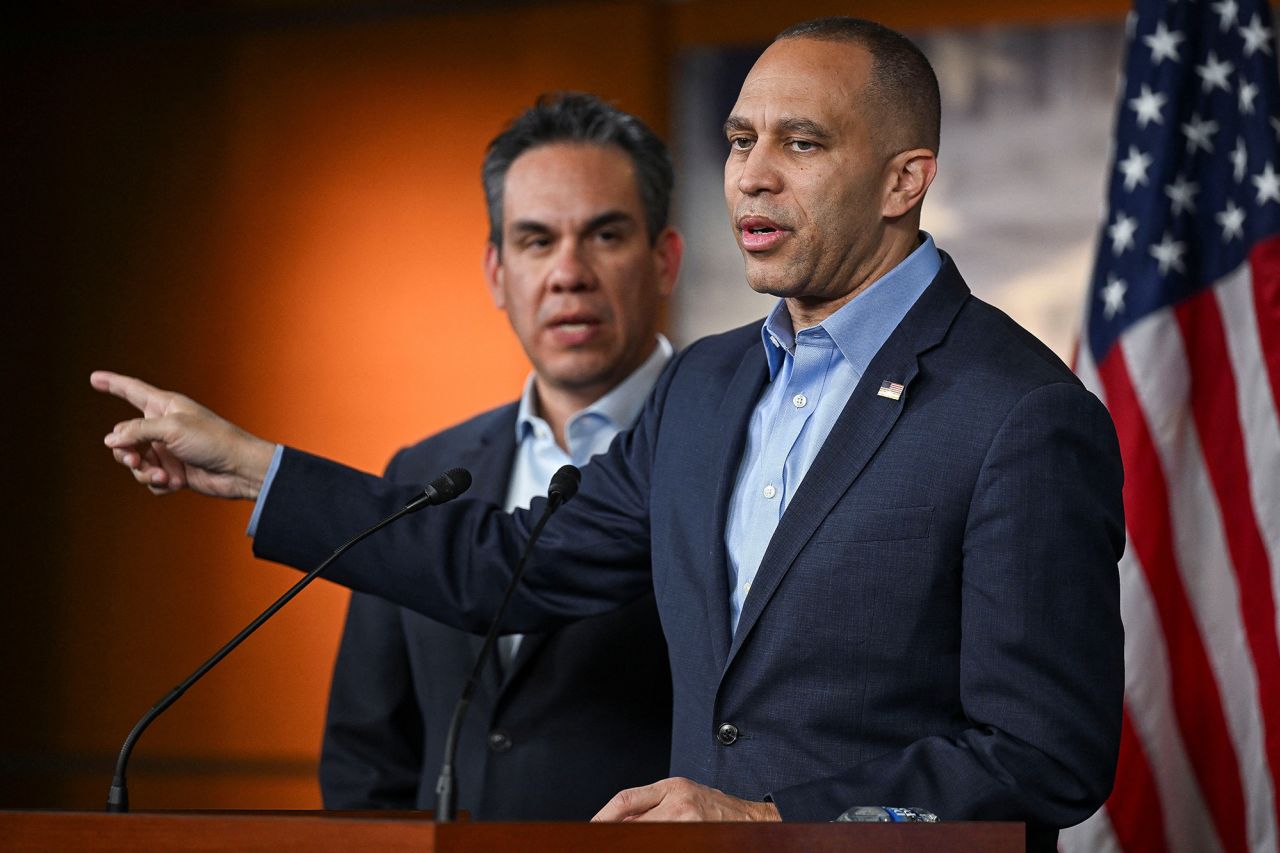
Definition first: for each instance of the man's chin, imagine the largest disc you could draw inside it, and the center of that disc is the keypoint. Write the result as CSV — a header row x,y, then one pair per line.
x,y
578,373
771,284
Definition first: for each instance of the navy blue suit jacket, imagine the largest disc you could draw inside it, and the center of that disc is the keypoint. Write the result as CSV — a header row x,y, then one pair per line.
x,y
935,622
579,714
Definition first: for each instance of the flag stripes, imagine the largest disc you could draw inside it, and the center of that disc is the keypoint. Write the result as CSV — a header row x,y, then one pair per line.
x,y
1216,414
1182,344
1197,702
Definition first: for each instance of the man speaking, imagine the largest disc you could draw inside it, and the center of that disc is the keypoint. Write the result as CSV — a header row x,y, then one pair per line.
x,y
882,528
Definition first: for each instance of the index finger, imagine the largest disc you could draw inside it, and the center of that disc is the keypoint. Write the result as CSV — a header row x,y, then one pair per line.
x,y
127,388
630,803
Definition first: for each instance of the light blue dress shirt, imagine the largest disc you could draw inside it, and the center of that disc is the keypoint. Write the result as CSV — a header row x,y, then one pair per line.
x,y
812,374
588,432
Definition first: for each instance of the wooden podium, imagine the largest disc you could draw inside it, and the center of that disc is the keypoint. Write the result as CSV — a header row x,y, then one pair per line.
x,y
322,832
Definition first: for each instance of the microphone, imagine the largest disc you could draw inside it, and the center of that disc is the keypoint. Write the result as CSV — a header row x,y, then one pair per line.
x,y
564,485
444,488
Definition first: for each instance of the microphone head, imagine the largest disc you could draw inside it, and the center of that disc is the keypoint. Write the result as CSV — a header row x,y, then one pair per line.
x,y
564,484
450,484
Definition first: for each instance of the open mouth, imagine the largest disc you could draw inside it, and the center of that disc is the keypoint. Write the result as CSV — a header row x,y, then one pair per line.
x,y
760,234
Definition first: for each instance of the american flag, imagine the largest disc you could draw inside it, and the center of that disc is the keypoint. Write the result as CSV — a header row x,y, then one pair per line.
x,y
1182,342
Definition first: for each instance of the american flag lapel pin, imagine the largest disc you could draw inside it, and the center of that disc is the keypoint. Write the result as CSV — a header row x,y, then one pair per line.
x,y
892,390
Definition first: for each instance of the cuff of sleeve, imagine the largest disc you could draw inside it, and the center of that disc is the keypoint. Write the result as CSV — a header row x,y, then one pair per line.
x,y
264,491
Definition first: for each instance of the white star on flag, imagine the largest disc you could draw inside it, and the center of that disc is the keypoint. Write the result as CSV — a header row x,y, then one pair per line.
x,y
1121,233
1182,194
1268,185
1232,221
1239,159
1134,167
1248,91
1147,106
1113,296
1168,253
1227,11
1256,37
1200,134
1164,44
1213,74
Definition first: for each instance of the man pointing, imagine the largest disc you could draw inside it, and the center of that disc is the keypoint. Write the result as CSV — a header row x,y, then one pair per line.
x,y
882,529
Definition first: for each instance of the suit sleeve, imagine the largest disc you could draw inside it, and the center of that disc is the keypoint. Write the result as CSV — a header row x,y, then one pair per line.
x,y
452,562
373,736
1041,657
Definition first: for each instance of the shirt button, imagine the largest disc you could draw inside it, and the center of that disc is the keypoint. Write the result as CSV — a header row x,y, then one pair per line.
x,y
799,401
499,741
769,491
727,734
746,587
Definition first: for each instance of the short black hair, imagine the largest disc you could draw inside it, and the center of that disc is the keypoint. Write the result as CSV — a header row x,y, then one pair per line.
x,y
903,84
583,118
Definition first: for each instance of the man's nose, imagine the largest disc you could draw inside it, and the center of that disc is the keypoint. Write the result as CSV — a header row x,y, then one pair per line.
x,y
571,269
758,172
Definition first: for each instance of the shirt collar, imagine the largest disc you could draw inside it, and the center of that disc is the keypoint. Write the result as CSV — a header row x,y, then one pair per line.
x,y
861,326
619,407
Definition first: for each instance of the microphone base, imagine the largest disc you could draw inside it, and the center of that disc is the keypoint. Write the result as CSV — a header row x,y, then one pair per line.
x,y
118,799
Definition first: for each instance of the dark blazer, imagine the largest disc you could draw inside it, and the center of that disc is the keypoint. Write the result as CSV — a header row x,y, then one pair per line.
x,y
935,622
580,713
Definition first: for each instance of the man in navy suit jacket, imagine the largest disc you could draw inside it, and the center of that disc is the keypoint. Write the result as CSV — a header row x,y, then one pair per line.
x,y
933,619
580,257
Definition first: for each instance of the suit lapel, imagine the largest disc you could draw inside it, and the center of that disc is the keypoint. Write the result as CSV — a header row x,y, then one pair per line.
x,y
733,419
490,461
861,428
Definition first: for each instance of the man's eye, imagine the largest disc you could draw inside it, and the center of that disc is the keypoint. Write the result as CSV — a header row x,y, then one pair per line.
x,y
803,145
740,143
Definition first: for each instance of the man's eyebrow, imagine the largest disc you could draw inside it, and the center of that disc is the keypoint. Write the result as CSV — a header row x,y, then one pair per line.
x,y
804,127
530,226
609,217
600,220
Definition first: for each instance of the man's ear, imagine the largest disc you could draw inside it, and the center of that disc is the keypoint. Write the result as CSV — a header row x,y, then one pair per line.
x,y
493,276
668,250
910,174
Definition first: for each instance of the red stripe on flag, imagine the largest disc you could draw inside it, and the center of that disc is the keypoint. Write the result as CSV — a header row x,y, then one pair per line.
x,y
1197,700
1133,807
1264,259
1216,411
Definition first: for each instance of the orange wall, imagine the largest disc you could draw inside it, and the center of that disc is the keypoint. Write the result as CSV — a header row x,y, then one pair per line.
x,y
281,216
286,224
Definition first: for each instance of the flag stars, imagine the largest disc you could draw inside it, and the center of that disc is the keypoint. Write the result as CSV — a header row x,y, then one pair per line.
x,y
1113,296
1182,195
1213,74
1232,222
1168,254
1239,159
1256,37
1228,11
1267,183
1147,106
1164,44
1121,233
1248,91
1199,134
1134,168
